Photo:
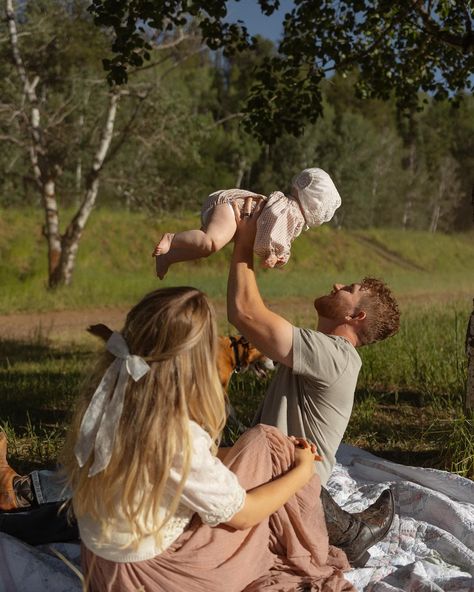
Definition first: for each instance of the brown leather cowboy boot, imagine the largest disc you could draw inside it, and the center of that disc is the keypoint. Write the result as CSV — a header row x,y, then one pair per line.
x,y
355,533
15,490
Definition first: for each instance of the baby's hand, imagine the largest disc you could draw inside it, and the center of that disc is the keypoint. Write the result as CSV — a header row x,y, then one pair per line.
x,y
270,261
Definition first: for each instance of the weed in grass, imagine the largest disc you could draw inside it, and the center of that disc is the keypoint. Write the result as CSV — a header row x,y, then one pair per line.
x,y
455,439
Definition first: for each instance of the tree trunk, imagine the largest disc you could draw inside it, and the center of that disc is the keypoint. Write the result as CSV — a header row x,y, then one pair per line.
x,y
409,139
240,172
469,396
434,218
51,227
71,238
406,213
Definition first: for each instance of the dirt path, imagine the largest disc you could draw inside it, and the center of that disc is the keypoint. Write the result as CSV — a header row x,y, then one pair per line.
x,y
65,325
387,254
70,325
57,325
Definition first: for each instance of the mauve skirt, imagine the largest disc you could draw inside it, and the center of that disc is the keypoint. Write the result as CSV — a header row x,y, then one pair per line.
x,y
287,552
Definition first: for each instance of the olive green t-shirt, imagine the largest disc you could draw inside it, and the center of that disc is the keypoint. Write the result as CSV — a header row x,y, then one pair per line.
x,y
314,399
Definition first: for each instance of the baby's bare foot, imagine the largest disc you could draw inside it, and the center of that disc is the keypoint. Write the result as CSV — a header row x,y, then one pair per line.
x,y
162,265
164,245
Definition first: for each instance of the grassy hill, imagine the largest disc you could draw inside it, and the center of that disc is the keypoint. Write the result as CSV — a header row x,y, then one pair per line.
x,y
114,265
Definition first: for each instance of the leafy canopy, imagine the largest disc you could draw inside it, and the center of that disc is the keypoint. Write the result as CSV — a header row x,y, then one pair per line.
x,y
398,47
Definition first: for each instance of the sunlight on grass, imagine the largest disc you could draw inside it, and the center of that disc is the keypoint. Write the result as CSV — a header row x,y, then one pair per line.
x,y
115,267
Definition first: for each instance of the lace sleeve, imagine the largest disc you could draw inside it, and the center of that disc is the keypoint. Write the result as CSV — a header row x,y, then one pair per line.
x,y
211,489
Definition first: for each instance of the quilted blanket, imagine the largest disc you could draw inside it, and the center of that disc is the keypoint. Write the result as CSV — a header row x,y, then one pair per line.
x,y
430,547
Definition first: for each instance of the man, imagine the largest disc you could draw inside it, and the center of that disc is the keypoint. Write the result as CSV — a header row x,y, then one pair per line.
x,y
312,393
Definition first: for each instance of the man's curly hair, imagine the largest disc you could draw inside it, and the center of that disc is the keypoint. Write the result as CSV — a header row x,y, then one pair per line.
x,y
383,314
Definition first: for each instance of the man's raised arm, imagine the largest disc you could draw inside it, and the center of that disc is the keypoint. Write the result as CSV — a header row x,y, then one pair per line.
x,y
269,332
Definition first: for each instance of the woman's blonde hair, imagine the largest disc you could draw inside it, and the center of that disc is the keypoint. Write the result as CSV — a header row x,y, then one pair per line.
x,y
174,330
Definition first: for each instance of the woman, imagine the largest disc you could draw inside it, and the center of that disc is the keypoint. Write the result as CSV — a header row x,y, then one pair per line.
x,y
158,506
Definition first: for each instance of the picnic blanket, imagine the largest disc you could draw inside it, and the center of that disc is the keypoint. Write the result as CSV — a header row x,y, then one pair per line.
x,y
430,547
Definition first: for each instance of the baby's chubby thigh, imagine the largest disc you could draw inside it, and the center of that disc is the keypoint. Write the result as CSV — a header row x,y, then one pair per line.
x,y
220,224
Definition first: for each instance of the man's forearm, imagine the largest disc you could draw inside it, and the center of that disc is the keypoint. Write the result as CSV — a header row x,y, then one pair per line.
x,y
270,333
243,296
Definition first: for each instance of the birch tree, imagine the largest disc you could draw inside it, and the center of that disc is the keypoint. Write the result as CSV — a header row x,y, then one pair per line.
x,y
46,167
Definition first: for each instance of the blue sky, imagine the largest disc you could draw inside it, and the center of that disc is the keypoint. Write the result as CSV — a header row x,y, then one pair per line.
x,y
249,12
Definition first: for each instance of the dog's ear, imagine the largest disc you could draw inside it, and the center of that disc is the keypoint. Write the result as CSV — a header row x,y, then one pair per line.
x,y
100,330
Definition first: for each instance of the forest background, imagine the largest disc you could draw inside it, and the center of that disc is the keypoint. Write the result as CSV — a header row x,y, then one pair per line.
x,y
146,154
178,133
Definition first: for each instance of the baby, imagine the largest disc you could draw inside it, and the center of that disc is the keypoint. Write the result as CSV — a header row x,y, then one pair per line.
x,y
313,201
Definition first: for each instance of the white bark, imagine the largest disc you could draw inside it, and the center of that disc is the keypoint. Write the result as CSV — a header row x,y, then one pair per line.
x,y
240,172
412,169
75,229
38,157
435,217
469,398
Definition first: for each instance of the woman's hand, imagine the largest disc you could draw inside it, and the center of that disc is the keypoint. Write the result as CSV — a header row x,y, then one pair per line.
x,y
269,497
301,443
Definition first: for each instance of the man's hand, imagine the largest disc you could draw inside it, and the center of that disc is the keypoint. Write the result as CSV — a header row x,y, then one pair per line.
x,y
247,222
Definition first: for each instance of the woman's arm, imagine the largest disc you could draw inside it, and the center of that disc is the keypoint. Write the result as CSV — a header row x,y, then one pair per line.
x,y
266,499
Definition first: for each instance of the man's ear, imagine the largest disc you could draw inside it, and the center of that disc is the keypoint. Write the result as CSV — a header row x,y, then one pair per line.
x,y
360,316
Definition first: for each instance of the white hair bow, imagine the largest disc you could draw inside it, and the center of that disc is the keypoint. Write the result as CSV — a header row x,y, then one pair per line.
x,y
103,413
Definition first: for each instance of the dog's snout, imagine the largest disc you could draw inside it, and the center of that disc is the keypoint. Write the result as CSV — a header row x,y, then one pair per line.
x,y
268,364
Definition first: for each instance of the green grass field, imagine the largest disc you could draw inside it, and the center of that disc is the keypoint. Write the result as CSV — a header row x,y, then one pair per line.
x,y
115,267
409,398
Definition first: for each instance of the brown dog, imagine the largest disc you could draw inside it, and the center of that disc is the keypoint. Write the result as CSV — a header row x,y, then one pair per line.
x,y
235,354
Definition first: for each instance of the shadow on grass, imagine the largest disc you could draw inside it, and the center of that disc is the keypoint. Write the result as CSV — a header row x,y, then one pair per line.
x,y
12,351
43,398
38,383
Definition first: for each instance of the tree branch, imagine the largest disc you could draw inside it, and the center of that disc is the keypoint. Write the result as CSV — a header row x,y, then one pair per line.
x,y
224,119
126,129
464,42
36,147
12,140
174,43
76,226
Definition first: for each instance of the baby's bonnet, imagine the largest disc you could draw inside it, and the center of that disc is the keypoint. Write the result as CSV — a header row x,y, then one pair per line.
x,y
317,196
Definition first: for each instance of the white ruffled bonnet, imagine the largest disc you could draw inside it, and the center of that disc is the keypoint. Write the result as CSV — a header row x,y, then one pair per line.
x,y
317,196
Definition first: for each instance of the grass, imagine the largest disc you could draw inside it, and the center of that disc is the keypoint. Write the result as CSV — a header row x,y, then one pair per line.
x,y
408,403
407,407
114,266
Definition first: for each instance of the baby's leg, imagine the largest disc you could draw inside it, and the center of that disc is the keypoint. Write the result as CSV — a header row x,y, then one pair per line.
x,y
219,231
221,226
194,244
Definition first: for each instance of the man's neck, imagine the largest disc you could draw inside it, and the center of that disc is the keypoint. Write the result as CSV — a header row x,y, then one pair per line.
x,y
329,327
